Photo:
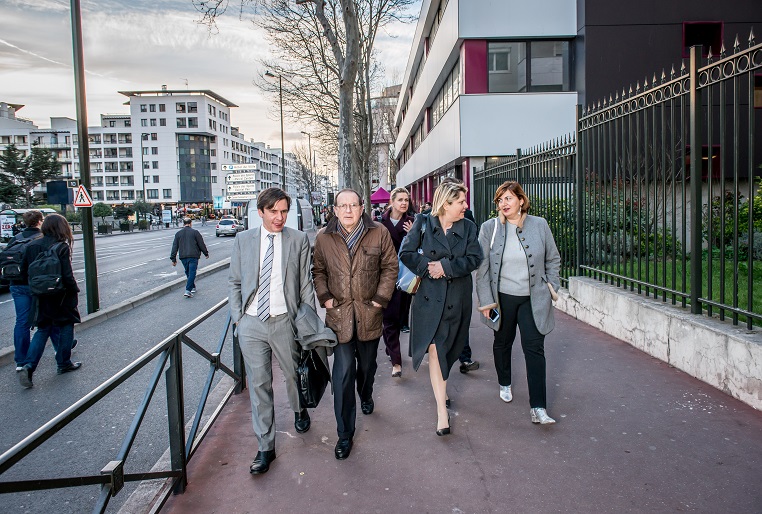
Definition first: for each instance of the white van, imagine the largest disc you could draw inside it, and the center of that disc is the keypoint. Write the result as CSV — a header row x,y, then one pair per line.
x,y
299,218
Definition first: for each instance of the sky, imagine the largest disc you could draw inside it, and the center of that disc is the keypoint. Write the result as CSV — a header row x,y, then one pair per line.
x,y
131,45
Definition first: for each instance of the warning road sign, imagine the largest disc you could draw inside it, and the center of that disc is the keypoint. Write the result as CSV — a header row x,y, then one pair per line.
x,y
82,198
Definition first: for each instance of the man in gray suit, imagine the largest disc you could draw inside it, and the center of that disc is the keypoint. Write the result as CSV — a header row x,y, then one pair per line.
x,y
269,278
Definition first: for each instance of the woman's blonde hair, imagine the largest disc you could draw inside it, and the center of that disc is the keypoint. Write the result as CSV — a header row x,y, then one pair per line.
x,y
397,191
446,193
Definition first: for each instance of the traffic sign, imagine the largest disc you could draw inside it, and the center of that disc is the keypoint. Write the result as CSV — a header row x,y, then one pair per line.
x,y
239,167
72,183
82,198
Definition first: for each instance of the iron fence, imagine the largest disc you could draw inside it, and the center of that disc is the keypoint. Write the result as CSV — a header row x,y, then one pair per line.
x,y
657,191
168,357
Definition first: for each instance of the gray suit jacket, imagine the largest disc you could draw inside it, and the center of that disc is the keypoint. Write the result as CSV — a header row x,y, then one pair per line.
x,y
243,277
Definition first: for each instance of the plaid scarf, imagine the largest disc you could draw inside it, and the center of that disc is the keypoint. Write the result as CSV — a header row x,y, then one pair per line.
x,y
352,238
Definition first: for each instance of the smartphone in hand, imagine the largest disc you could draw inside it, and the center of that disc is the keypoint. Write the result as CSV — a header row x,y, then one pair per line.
x,y
494,315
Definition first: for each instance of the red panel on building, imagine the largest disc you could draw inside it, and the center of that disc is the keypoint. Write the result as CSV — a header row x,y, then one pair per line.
x,y
473,66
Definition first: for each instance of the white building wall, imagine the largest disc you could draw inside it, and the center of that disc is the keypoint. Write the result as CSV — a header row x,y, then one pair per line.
x,y
497,124
485,19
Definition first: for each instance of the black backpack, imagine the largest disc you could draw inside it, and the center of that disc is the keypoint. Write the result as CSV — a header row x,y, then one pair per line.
x,y
12,256
45,273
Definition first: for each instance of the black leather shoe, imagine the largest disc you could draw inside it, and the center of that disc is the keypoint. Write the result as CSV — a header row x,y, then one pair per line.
x,y
302,421
447,403
343,448
74,366
367,407
469,365
262,462
446,430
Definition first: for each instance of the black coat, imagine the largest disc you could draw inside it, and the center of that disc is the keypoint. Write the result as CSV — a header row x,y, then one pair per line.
x,y
441,310
57,309
396,231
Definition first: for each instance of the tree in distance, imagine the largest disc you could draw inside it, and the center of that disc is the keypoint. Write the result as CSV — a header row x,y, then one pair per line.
x,y
26,173
102,210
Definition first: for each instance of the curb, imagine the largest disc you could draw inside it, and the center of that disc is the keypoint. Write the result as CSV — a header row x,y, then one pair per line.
x,y
6,354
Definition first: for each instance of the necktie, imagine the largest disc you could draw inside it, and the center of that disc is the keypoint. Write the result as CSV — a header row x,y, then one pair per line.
x,y
263,297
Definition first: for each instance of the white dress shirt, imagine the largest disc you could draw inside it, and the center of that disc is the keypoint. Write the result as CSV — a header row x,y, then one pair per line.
x,y
277,298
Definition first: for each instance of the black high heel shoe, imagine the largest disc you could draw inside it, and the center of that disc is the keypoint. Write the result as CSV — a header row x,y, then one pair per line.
x,y
446,430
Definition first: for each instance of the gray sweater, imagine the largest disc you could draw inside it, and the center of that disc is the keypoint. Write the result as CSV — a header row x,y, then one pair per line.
x,y
514,272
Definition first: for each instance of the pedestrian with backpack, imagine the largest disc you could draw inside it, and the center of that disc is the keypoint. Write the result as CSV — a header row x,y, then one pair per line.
x,y
47,263
10,270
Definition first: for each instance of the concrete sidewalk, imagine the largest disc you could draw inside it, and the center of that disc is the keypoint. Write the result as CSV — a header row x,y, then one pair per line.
x,y
633,435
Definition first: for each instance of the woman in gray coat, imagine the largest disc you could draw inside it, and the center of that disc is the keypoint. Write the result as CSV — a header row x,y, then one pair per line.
x,y
441,309
514,285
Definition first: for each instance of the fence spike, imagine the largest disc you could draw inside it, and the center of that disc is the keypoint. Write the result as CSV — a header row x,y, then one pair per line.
x,y
751,37
709,55
604,102
736,44
682,68
672,73
663,76
637,87
722,50
630,89
611,99
645,83
617,96
653,81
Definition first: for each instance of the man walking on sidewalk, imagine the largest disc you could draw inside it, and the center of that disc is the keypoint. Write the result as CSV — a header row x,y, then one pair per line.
x,y
269,280
190,245
355,271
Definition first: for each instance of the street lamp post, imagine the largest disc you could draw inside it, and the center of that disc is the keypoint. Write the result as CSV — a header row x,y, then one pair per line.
x,y
143,165
282,144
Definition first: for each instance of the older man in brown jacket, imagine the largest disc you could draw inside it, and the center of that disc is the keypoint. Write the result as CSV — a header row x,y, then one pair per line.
x,y
355,271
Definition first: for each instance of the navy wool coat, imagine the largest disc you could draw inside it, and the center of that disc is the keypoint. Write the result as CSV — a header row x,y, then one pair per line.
x,y
441,309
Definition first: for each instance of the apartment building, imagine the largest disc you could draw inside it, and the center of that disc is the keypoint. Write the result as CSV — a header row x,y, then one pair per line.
x,y
168,149
486,78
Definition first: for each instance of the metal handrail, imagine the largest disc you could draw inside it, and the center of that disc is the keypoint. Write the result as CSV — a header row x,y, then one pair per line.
x,y
112,476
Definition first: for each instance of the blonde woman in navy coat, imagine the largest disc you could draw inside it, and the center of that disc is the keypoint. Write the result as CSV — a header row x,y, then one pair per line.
x,y
514,284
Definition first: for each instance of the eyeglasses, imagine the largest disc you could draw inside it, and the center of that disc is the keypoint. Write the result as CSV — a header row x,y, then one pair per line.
x,y
347,206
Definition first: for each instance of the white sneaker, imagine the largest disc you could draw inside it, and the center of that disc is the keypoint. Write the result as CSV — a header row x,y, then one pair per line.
x,y
505,393
540,415
193,291
188,294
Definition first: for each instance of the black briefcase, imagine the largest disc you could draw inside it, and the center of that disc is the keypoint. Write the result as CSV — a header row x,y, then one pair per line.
x,y
313,377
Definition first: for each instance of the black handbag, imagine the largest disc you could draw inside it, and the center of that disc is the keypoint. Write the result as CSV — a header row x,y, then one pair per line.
x,y
313,377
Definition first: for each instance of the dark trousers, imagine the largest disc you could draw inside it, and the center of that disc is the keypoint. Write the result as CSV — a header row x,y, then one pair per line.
x,y
517,311
353,363
392,326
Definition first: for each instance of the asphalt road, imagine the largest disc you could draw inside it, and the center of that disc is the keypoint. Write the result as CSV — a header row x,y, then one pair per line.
x,y
128,264
89,443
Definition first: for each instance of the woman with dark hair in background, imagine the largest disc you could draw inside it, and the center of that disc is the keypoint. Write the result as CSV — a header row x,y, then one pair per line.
x,y
513,285
398,222
58,310
441,309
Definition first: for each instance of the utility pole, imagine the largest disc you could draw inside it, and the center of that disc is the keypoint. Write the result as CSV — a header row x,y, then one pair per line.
x,y
88,239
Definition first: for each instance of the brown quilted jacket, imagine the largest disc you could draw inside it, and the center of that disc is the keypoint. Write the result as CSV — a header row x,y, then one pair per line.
x,y
354,283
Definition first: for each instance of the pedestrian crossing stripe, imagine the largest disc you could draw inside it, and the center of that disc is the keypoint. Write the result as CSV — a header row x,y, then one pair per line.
x,y
82,198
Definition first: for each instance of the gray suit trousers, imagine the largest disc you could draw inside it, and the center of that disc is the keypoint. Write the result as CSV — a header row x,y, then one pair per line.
x,y
259,341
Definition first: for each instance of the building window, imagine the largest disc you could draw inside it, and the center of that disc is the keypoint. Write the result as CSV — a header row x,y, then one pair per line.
x,y
162,122
181,123
192,107
192,122
144,122
146,180
154,136
152,108
180,107
214,179
167,193
155,179
143,108
708,34
153,122
162,107
155,165
213,152
154,150
146,165
531,66
152,194
112,123
127,123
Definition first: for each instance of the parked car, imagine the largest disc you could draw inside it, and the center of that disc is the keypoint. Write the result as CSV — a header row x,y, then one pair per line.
x,y
228,227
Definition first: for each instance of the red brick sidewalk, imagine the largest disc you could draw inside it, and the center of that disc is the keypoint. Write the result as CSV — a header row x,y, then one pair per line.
x,y
633,435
